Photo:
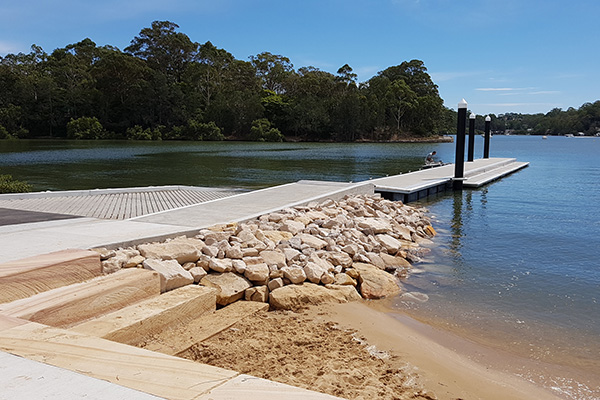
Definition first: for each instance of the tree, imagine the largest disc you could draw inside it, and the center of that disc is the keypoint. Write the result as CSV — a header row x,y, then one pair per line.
x,y
85,128
273,71
164,49
263,132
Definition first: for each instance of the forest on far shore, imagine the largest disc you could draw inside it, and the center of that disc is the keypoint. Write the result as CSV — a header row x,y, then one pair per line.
x,y
165,86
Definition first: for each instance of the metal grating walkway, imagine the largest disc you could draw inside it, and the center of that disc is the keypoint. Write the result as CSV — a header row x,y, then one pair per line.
x,y
116,204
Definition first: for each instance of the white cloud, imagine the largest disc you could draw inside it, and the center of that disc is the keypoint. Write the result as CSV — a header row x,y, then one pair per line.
x,y
497,89
10,47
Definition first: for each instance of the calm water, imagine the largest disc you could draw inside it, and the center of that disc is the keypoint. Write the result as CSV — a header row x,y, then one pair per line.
x,y
516,264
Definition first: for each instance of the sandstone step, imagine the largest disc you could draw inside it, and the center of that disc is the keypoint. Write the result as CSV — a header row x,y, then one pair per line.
x,y
132,324
178,340
159,374
26,277
69,305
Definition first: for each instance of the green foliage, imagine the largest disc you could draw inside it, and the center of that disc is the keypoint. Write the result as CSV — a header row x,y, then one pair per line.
x,y
4,133
85,128
10,185
262,131
137,133
195,130
166,86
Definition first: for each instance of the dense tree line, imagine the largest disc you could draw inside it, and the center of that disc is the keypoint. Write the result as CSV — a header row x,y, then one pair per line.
x,y
585,120
165,86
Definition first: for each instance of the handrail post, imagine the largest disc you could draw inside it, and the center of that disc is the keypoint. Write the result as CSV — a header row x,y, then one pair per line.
x,y
459,159
486,144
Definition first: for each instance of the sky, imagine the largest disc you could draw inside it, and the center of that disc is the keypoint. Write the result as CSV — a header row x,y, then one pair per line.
x,y
523,56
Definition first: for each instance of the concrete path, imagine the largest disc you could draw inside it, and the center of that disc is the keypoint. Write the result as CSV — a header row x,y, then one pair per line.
x,y
26,240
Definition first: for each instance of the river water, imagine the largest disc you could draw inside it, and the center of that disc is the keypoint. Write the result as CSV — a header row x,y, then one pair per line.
x,y
515,265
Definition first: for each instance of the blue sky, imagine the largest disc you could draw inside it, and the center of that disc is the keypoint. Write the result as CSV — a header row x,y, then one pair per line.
x,y
525,56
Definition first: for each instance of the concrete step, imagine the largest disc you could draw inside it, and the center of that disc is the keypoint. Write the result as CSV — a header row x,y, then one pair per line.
x,y
73,304
133,324
178,340
29,276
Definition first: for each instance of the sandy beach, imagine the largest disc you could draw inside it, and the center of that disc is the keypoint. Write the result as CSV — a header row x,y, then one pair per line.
x,y
358,351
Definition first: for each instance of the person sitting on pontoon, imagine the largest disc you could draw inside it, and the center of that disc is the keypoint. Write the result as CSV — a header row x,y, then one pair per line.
x,y
429,159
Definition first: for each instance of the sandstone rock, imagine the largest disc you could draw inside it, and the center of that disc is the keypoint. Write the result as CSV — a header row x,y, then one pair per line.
x,y
403,232
374,225
295,275
105,253
327,278
133,262
312,241
257,272
375,283
211,251
257,293
271,257
172,275
220,265
377,260
230,287
391,244
203,262
249,252
344,279
197,273
291,254
394,261
350,249
353,273
294,227
175,250
239,266
253,260
275,217
340,258
234,252
112,265
277,236
430,231
314,272
297,296
245,236
275,284
189,265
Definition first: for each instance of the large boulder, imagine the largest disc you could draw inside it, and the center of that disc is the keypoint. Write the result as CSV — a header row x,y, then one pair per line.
x,y
230,287
390,244
182,251
172,275
272,257
293,297
375,283
393,262
374,225
295,275
257,272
